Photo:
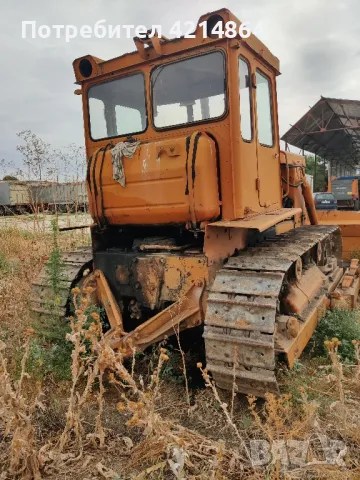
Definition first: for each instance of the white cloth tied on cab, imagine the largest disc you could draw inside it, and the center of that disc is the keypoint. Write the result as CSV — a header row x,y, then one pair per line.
x,y
126,149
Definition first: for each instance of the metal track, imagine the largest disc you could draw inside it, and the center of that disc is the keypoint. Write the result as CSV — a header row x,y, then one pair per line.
x,y
42,300
244,302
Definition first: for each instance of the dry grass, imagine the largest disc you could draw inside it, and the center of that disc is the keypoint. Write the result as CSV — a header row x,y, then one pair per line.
x,y
117,419
16,411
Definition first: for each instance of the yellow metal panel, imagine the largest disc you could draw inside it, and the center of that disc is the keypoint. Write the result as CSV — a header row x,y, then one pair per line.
x,y
259,222
349,223
165,183
338,217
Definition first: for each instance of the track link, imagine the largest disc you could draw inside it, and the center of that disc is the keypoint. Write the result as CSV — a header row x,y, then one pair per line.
x,y
245,299
42,299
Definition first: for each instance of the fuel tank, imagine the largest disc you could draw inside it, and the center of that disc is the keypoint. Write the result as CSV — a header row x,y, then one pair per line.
x,y
168,181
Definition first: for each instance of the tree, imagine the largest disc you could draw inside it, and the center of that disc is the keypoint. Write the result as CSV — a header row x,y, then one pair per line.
x,y
6,167
10,178
36,154
43,162
320,175
68,164
78,161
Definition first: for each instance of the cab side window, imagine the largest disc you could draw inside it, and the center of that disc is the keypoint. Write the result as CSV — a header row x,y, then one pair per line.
x,y
264,109
245,100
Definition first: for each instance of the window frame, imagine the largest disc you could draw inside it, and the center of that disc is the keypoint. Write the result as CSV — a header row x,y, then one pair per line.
x,y
137,72
241,57
187,124
271,95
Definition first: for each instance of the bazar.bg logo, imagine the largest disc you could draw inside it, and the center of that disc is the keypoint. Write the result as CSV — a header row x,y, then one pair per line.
x,y
296,453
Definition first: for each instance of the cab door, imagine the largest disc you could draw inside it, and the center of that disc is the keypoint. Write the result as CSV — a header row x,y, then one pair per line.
x,y
248,138
267,137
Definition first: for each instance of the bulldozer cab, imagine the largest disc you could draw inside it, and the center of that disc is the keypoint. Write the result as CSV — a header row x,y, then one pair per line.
x,y
194,122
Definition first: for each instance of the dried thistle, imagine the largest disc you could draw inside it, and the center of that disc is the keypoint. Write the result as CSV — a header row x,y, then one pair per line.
x,y
211,384
332,347
16,412
356,344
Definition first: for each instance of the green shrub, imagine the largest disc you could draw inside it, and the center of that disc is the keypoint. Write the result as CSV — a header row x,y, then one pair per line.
x,y
342,324
355,254
54,266
50,352
5,266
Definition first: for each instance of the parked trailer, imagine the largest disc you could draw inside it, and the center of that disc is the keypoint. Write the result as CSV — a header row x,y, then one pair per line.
x,y
65,197
15,197
346,190
25,197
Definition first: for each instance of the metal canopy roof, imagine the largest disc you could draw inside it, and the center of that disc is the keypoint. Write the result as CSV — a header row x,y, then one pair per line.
x,y
330,129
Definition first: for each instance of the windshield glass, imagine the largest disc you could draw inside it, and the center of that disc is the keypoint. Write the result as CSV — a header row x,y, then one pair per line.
x,y
324,196
117,107
189,91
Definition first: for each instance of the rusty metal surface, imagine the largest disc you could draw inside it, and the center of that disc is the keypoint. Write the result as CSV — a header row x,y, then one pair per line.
x,y
262,260
185,313
329,129
42,294
334,295
293,347
248,313
106,298
247,283
303,291
247,297
151,278
222,242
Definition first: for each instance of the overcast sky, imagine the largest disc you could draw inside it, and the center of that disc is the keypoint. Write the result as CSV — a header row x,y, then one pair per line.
x,y
317,42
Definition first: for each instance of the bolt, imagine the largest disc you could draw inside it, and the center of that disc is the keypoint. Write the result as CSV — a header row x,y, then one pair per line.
x,y
137,286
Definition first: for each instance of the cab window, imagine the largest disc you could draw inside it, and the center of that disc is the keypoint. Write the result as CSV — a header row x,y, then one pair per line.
x,y
117,107
189,91
264,109
245,100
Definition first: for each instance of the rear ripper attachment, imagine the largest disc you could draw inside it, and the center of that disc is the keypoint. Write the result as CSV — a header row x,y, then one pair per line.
x,y
268,301
265,301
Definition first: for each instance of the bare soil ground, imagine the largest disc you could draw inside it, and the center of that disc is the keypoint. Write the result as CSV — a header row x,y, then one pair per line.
x,y
83,415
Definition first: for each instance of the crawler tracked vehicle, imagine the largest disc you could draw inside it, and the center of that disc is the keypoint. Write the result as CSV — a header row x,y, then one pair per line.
x,y
199,218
